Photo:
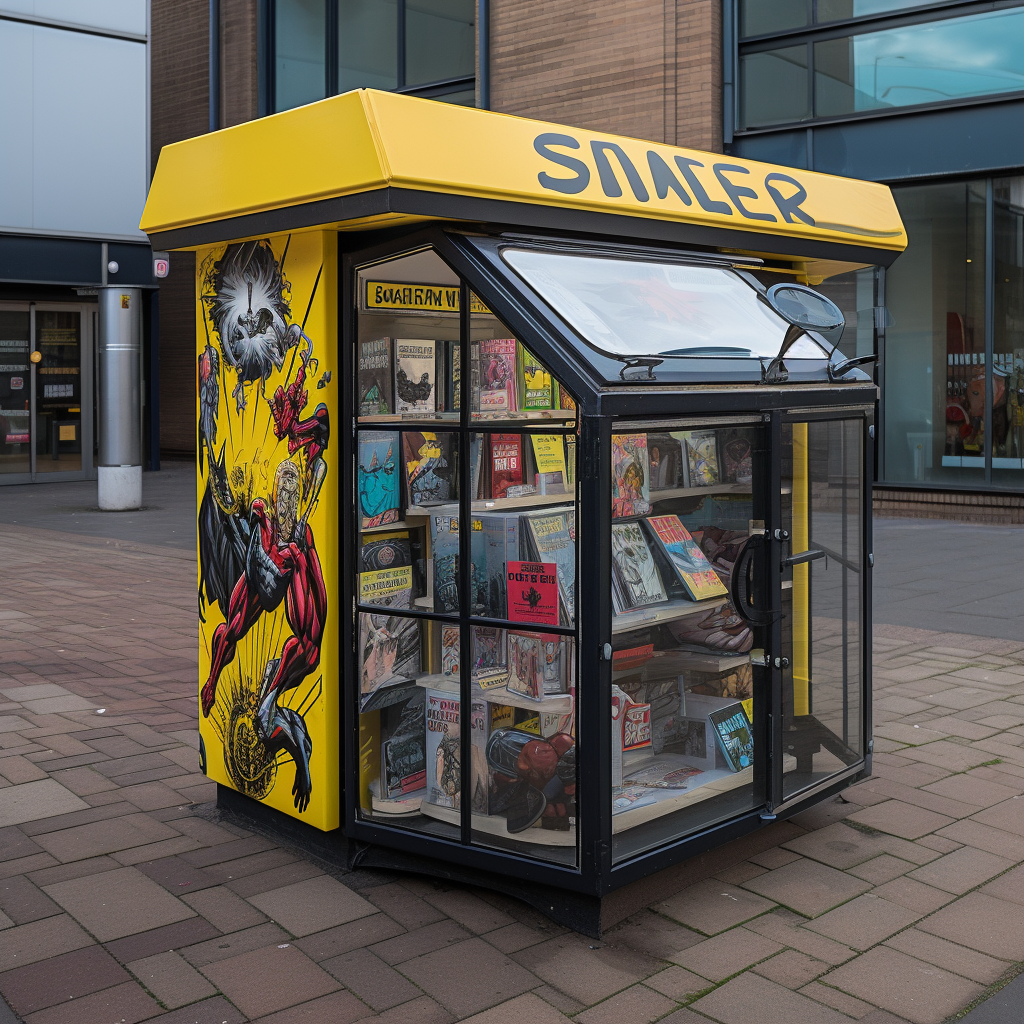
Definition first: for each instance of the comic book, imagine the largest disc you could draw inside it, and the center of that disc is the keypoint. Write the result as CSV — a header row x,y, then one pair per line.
x,y
403,768
379,492
506,463
737,457
493,544
376,378
490,659
498,375
444,545
666,458
443,752
635,577
552,538
430,468
631,471
389,658
533,380
689,563
415,376
702,458
385,576
549,458
732,730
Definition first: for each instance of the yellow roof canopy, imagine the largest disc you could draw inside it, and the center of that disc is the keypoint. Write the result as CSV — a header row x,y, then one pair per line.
x,y
370,158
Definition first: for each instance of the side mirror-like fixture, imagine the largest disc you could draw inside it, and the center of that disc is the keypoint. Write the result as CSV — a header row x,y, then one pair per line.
x,y
806,311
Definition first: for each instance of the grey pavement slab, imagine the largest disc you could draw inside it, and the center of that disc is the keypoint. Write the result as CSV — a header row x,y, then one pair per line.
x,y
1004,1007
32,801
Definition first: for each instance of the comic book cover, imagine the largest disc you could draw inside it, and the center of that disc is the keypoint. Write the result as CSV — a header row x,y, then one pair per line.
x,y
532,592
526,659
737,457
702,458
631,471
666,458
403,767
444,543
552,538
549,456
498,375
385,576
506,463
443,752
267,397
690,564
732,730
533,380
430,470
493,544
379,492
451,650
376,378
490,661
389,658
415,376
634,568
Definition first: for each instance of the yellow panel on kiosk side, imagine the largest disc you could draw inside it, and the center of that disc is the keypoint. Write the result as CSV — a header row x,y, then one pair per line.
x,y
267,378
368,140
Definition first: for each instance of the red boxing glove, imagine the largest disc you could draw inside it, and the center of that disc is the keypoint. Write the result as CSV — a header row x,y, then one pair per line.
x,y
537,762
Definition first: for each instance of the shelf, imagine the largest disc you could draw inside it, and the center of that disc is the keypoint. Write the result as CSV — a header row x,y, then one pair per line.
x,y
491,505
524,416
686,492
667,611
401,524
695,661
447,420
407,806
495,825
555,704
453,418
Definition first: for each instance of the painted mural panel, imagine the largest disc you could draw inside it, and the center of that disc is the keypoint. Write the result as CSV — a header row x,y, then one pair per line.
x,y
266,350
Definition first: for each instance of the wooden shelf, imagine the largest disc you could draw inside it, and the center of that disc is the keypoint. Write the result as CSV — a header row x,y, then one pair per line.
x,y
401,524
671,661
495,825
523,416
491,505
687,492
555,704
447,420
667,611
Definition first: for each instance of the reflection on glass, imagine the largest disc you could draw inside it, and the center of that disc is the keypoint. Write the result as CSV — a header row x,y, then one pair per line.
x,y
822,614
367,44
300,56
1008,361
840,10
639,308
684,749
854,294
935,348
58,424
14,392
758,17
774,87
439,40
926,63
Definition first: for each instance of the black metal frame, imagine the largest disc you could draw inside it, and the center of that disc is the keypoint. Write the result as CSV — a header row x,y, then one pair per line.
x,y
267,53
598,407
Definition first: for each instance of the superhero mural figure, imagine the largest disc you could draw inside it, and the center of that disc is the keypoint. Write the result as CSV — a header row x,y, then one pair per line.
x,y
257,553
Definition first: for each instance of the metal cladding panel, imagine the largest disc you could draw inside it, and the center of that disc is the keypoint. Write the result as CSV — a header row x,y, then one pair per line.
x,y
120,352
267,477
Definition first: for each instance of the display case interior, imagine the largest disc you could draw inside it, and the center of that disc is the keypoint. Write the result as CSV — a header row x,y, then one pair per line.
x,y
442,649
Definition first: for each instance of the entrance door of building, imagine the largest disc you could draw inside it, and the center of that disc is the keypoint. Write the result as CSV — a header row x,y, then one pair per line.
x,y
46,392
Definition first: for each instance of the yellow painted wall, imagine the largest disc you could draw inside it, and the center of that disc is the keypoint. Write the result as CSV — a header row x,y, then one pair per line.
x,y
267,385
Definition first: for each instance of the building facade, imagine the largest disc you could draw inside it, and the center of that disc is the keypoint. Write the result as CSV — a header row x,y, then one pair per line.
x,y
74,173
928,98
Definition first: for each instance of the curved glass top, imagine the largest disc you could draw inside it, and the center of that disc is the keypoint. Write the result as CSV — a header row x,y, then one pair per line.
x,y
634,308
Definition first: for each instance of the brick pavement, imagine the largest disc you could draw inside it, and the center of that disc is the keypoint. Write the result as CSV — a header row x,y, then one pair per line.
x,y
125,897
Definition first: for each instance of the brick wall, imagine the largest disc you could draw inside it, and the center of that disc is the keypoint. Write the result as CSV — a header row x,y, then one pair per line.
x,y
239,96
647,68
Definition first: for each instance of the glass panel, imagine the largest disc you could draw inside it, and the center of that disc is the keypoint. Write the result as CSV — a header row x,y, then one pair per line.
x,y
640,308
774,87
758,17
935,349
58,437
300,53
1008,360
15,378
408,361
367,44
439,40
822,464
840,10
925,63
854,294
685,751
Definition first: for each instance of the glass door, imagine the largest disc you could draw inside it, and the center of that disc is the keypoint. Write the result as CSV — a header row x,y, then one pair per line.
x,y
823,599
58,390
15,391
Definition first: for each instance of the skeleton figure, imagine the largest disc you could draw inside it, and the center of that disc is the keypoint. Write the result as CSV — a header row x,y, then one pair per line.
x,y
245,292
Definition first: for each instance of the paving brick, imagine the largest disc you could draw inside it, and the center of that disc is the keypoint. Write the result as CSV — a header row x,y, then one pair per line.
x,y
901,819
1008,816
677,983
33,800
14,844
423,1011
83,781
516,936
635,1005
224,947
527,1007
272,978
722,956
30,943
113,904
468,909
951,956
972,790
807,887
982,922
737,874
187,933
863,921
60,978
733,1003
366,931
17,769
165,848
312,905
22,902
838,845
173,981
420,941
336,1008
54,872
651,933
223,850
790,968
403,906
785,927
840,1001
881,869
712,906
910,988
376,984
224,909
962,870
210,1011
126,1004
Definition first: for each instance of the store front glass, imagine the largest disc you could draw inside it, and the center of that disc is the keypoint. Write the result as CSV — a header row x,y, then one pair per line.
x,y
15,412
58,419
1008,332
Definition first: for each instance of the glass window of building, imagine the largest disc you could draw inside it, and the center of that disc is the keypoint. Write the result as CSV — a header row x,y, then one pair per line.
x,y
423,47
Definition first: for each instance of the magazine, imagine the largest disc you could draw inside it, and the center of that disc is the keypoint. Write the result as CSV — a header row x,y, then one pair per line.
x,y
385,576
403,767
389,656
666,458
430,470
732,730
702,458
495,541
490,659
552,538
536,664
737,457
498,375
415,376
376,378
533,380
549,456
506,463
635,577
379,494
691,566
444,545
532,592
631,472
443,751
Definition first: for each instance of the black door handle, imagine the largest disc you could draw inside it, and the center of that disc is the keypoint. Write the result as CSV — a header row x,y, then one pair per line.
x,y
804,556
740,583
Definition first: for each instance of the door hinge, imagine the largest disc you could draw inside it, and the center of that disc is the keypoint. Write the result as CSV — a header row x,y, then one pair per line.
x,y
758,656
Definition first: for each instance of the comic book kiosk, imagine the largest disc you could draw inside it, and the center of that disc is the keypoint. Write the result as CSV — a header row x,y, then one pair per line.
x,y
533,491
